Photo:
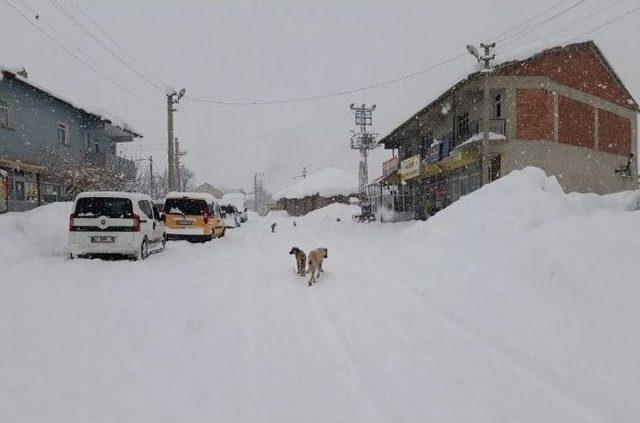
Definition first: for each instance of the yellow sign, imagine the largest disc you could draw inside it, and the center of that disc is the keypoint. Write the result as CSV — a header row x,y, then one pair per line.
x,y
410,168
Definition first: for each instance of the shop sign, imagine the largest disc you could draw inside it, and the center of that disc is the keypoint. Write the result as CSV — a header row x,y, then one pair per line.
x,y
410,168
390,166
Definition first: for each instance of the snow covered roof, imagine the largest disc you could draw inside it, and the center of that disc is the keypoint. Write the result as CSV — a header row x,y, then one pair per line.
x,y
195,195
113,194
326,182
97,112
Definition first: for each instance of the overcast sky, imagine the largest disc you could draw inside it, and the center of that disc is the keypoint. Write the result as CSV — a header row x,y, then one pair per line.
x,y
243,51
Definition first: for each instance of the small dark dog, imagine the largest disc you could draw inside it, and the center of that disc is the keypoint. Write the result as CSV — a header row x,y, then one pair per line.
x,y
316,257
301,260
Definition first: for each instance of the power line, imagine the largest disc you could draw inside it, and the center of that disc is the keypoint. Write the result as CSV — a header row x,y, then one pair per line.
x,y
80,59
582,19
596,28
328,95
556,4
116,43
256,138
40,17
87,31
388,81
607,23
518,35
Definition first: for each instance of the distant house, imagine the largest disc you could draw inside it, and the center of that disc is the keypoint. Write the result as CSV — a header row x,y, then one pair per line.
x,y
38,128
564,110
209,189
317,190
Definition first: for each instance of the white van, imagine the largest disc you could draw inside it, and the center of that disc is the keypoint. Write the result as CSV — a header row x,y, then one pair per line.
x,y
122,223
239,200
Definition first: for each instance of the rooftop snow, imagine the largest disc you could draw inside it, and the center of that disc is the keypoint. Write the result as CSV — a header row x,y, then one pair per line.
x,y
92,110
326,182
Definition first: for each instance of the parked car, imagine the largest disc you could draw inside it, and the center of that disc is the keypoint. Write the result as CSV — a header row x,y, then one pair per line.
x,y
238,199
192,216
115,223
230,215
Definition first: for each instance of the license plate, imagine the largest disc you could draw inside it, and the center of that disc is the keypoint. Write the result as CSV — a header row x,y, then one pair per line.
x,y
184,222
103,239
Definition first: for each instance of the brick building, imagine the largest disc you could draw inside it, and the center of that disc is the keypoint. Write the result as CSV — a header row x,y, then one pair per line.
x,y
563,109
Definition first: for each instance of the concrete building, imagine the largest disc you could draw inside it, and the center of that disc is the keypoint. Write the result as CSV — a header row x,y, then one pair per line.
x,y
37,128
563,110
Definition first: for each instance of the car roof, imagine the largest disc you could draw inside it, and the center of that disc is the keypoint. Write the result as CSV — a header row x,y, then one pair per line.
x,y
192,195
114,194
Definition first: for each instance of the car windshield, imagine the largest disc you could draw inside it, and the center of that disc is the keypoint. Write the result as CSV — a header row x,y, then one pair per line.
x,y
186,206
103,206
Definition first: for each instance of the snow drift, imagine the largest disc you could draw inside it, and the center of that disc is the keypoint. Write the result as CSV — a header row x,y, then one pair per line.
x,y
517,303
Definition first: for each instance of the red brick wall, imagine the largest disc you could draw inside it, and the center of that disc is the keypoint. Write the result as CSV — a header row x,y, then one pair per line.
x,y
576,66
576,122
534,114
614,133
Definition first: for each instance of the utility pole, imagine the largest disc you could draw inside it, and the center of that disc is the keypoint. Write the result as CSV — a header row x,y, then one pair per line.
x,y
255,192
179,154
486,58
363,141
172,99
151,178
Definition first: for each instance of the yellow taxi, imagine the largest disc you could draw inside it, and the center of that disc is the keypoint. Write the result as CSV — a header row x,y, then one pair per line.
x,y
192,216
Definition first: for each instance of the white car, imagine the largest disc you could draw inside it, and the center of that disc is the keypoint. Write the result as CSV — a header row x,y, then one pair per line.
x,y
230,216
238,199
118,223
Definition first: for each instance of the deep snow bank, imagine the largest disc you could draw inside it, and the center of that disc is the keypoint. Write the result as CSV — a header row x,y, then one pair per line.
x,y
520,201
35,233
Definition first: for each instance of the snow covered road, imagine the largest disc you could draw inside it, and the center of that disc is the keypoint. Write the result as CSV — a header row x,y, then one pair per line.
x,y
517,304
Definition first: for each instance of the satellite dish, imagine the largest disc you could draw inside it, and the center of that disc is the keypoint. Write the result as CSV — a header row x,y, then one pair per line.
x,y
473,51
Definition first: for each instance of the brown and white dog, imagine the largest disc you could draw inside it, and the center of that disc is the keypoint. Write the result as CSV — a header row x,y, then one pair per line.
x,y
301,260
316,257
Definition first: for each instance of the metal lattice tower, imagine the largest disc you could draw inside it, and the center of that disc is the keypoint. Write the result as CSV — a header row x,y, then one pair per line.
x,y
363,141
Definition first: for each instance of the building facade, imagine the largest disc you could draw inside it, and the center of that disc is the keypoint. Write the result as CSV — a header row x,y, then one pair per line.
x,y
563,110
39,129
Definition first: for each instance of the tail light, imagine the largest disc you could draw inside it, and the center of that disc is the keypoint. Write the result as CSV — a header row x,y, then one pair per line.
x,y
136,223
72,228
205,214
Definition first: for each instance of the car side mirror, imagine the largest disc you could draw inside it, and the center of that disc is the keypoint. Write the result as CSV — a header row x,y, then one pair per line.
x,y
223,215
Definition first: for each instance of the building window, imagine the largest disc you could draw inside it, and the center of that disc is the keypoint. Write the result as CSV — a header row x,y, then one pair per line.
x,y
497,106
63,136
4,114
462,123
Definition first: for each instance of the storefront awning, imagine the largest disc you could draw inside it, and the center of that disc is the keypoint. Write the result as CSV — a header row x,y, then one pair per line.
x,y
458,160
